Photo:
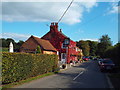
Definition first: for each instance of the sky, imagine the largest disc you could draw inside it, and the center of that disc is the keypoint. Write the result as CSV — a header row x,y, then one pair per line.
x,y
83,20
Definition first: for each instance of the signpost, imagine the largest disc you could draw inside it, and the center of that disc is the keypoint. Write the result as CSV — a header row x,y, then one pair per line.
x,y
66,43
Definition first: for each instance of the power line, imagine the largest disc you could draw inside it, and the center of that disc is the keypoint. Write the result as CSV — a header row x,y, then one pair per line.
x,y
65,11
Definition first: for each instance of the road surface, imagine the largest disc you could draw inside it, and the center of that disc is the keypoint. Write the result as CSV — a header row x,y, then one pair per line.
x,y
86,75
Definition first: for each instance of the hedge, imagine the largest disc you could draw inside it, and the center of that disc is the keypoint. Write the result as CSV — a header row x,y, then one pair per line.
x,y
20,66
113,53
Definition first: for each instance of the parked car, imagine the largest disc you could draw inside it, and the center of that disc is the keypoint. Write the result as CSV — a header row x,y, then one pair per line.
x,y
90,57
95,58
86,58
106,64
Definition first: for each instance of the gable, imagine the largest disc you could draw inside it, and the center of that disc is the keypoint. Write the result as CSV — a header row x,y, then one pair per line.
x,y
33,42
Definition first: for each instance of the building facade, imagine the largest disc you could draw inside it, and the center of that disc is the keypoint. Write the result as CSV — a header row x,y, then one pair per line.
x,y
66,47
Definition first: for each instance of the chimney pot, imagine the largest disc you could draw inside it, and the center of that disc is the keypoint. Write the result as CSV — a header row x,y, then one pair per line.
x,y
60,30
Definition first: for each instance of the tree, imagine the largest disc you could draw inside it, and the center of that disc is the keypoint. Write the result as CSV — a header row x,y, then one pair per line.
x,y
105,42
4,43
8,40
18,45
84,45
38,50
113,53
93,47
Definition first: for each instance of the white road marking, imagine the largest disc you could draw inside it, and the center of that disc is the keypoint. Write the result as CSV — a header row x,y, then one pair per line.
x,y
78,75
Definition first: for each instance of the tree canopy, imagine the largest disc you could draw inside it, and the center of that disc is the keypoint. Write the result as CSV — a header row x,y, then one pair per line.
x,y
105,43
84,46
6,43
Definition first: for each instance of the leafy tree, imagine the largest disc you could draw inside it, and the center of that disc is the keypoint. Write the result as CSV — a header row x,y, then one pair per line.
x,y
18,45
8,40
93,47
113,53
105,42
38,49
84,45
6,43
3,41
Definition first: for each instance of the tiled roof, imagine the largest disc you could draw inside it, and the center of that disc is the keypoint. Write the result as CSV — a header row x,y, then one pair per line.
x,y
57,34
44,43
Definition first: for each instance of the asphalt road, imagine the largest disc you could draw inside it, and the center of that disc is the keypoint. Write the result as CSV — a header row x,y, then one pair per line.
x,y
86,75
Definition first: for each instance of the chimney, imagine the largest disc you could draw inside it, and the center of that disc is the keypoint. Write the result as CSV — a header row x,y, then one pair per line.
x,y
54,27
61,30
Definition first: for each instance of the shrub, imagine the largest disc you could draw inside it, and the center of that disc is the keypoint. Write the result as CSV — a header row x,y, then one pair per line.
x,y
113,53
38,49
20,66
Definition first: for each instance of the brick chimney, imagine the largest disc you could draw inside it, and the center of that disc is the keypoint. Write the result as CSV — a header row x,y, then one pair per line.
x,y
54,27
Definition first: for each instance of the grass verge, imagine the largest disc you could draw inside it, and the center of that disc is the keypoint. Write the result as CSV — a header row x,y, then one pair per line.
x,y
27,80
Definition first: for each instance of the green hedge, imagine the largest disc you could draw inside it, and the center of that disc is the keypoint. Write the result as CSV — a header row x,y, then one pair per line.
x,y
20,66
113,53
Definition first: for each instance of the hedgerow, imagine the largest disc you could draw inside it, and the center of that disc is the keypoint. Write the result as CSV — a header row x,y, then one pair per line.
x,y
20,66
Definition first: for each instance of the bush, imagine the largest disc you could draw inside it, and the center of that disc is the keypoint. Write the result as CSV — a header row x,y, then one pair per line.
x,y
20,66
113,53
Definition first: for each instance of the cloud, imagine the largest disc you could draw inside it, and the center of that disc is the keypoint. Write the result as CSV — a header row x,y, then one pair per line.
x,y
44,11
15,36
90,39
113,8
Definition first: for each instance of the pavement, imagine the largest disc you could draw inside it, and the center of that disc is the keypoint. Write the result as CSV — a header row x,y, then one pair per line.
x,y
84,75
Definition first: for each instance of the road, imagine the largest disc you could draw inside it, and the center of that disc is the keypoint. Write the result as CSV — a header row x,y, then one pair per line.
x,y
86,75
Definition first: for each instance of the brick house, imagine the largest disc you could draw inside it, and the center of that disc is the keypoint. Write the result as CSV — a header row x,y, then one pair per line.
x,y
30,46
66,47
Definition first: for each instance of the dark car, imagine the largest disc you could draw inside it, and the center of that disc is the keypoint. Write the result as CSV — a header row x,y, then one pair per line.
x,y
106,64
90,57
95,58
86,58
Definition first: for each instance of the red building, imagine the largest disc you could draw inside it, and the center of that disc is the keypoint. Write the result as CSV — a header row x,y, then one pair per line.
x,y
66,48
